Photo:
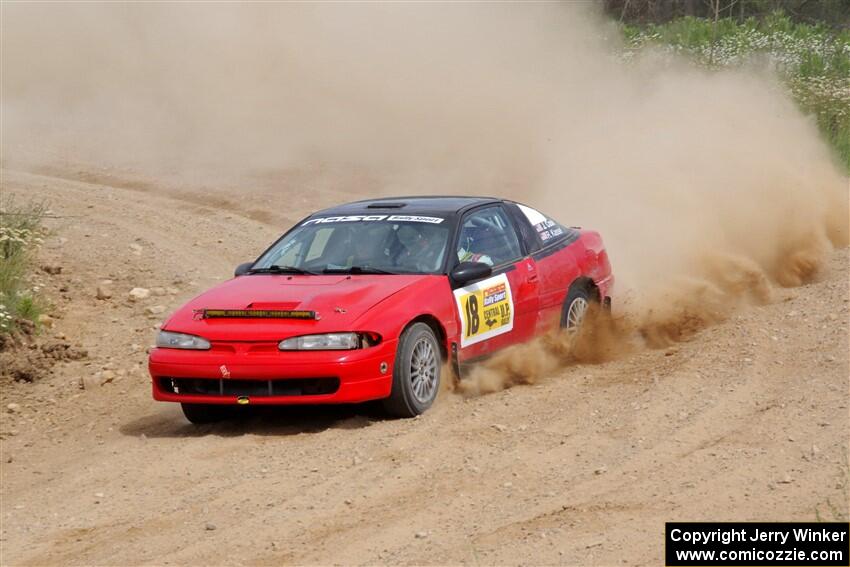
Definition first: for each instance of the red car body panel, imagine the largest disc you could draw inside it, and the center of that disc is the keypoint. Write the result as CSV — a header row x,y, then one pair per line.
x,y
381,305
341,300
358,371
586,257
367,303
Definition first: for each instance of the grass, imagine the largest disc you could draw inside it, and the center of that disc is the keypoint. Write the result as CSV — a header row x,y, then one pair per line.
x,y
21,233
812,59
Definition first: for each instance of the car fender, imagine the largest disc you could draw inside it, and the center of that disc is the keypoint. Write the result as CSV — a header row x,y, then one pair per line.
x,y
431,297
595,263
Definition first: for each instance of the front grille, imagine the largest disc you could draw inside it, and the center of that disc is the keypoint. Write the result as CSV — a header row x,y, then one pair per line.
x,y
255,388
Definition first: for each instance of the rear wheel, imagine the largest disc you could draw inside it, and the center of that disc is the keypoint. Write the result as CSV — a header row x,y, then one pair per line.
x,y
416,373
206,413
576,307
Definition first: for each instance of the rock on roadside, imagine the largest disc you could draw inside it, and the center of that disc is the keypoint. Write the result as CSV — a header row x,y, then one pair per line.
x,y
104,291
139,293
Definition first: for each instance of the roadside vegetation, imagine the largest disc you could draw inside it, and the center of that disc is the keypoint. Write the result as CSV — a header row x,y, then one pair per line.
x,y
21,233
813,59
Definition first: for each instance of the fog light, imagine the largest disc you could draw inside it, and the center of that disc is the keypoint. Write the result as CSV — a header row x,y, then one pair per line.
x,y
384,368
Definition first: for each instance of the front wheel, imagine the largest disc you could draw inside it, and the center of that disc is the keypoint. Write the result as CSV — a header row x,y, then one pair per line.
x,y
416,373
206,413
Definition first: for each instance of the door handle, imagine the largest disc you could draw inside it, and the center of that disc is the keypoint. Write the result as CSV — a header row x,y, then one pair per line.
x,y
532,271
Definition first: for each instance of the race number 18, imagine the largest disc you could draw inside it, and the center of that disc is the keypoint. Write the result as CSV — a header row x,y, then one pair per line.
x,y
472,318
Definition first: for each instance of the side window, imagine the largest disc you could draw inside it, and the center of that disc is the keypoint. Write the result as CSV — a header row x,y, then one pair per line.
x,y
488,236
527,234
547,229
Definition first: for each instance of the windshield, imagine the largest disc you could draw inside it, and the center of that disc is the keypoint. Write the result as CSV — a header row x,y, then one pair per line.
x,y
395,244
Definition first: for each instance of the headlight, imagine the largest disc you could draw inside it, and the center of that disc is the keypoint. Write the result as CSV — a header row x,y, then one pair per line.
x,y
178,340
330,341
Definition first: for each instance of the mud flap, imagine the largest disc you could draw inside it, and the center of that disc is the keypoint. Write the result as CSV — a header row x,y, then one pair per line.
x,y
462,369
456,362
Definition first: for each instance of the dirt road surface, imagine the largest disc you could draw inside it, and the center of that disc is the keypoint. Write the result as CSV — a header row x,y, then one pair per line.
x,y
748,421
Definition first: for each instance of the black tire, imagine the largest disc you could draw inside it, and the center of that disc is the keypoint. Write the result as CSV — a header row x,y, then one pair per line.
x,y
415,385
206,413
578,292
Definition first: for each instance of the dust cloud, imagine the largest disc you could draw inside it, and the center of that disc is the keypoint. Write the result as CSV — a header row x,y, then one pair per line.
x,y
384,97
710,188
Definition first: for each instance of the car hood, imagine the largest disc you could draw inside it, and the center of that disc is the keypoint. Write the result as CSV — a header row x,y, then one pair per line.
x,y
338,300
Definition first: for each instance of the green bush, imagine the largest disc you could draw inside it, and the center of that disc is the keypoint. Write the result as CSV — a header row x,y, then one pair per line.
x,y
21,234
812,59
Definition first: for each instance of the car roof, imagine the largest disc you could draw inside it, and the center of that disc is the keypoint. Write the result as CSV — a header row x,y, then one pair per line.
x,y
419,204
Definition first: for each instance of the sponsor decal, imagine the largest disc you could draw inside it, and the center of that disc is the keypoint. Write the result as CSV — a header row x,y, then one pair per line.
x,y
346,218
546,228
495,294
486,309
413,218
255,314
374,218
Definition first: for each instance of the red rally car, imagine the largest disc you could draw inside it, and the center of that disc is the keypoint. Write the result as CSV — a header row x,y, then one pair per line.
x,y
367,300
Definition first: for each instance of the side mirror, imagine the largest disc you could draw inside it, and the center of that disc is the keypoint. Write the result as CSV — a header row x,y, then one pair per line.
x,y
242,269
467,272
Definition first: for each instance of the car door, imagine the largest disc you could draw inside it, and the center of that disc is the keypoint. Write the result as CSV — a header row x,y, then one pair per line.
x,y
502,309
556,252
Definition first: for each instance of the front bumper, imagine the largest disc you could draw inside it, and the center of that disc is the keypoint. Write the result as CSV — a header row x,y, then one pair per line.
x,y
359,374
